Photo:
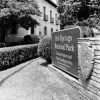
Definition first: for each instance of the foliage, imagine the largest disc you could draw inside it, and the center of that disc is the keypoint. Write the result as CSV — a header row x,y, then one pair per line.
x,y
10,44
74,11
15,13
10,56
31,39
27,21
19,7
35,38
2,45
44,48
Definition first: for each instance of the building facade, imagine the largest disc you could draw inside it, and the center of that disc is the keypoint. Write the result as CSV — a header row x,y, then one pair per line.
x,y
48,22
49,18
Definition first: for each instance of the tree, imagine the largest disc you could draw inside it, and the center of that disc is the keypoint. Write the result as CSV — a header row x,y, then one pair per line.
x,y
15,13
77,11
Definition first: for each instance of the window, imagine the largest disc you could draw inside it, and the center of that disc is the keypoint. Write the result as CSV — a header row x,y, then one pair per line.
x,y
45,30
0,1
45,16
32,29
40,33
56,29
44,10
51,18
56,17
51,30
50,13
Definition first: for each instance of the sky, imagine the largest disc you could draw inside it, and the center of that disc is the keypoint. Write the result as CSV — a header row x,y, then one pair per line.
x,y
54,1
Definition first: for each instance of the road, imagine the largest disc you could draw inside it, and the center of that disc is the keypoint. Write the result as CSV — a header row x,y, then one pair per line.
x,y
33,81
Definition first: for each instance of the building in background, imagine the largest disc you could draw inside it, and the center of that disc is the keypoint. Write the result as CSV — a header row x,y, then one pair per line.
x,y
48,22
49,18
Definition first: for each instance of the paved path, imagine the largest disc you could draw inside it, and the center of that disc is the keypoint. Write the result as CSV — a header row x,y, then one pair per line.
x,y
33,81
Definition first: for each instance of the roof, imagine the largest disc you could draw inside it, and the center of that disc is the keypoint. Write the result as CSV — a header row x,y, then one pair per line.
x,y
83,28
69,26
52,3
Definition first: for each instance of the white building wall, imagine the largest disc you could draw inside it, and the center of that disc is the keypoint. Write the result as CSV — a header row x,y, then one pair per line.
x,y
39,30
43,3
40,19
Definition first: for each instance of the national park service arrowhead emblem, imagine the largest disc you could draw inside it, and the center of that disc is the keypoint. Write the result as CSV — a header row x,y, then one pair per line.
x,y
85,58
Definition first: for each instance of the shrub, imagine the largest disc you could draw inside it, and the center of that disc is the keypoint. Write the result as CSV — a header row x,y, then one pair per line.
x,y
9,44
2,45
12,44
11,56
44,48
31,39
27,39
35,39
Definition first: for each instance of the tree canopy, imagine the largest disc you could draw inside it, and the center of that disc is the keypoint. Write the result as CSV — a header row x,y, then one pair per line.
x,y
19,7
85,12
17,12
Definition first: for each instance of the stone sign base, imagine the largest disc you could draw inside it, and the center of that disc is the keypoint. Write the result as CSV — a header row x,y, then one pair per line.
x,y
84,93
81,58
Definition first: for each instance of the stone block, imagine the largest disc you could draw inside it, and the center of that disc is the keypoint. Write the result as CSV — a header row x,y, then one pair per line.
x,y
97,57
97,47
97,66
97,61
96,74
95,85
93,96
97,42
94,90
95,79
97,53
96,70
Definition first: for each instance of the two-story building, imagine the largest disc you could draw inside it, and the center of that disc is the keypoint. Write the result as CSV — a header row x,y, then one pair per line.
x,y
48,21
49,18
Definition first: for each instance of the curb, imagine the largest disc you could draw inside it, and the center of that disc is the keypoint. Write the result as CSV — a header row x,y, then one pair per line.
x,y
63,74
6,73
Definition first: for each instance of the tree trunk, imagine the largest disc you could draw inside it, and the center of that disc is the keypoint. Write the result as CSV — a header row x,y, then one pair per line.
x,y
3,32
32,29
14,28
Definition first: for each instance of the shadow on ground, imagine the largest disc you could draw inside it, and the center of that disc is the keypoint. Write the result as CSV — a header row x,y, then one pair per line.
x,y
44,64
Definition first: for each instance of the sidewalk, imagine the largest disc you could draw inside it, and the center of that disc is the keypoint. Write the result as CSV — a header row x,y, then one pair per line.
x,y
33,81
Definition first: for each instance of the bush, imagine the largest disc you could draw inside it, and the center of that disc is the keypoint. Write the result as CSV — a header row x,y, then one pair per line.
x,y
35,39
31,39
27,39
2,45
9,44
44,48
19,42
11,56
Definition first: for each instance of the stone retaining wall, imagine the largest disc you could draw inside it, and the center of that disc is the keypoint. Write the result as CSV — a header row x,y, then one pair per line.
x,y
88,83
89,70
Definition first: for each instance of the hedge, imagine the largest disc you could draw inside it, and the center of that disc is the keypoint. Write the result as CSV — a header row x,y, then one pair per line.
x,y
44,48
10,56
31,39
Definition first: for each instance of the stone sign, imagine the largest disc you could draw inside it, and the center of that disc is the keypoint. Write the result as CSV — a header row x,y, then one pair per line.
x,y
65,50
